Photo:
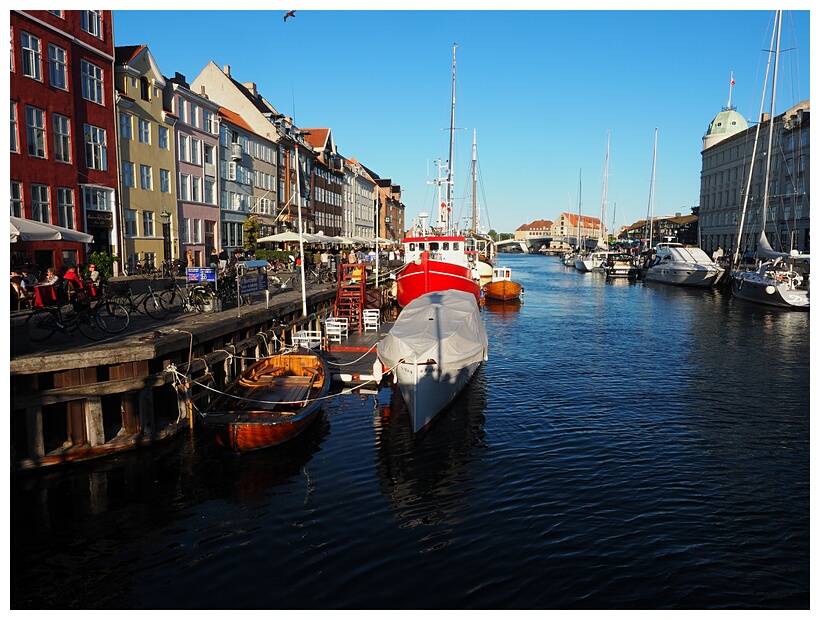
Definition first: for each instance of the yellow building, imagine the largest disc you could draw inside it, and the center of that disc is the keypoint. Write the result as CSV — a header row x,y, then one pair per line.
x,y
147,160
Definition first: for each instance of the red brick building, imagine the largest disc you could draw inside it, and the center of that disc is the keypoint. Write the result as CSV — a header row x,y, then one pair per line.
x,y
63,161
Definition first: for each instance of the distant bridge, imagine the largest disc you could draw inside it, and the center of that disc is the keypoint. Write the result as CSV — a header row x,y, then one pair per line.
x,y
525,246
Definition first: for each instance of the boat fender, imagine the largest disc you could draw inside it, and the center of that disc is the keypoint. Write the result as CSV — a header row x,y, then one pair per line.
x,y
770,289
377,371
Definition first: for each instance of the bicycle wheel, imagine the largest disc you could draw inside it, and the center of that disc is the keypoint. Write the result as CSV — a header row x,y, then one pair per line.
x,y
173,300
197,299
155,306
114,316
90,325
41,324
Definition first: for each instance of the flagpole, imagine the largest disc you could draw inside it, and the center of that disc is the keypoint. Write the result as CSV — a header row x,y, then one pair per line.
x,y
301,239
731,83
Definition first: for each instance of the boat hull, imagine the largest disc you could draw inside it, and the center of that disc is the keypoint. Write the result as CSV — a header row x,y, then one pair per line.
x,y
273,401
503,290
683,275
427,275
428,388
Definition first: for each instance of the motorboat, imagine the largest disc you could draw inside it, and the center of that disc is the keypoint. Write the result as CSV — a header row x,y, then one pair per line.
x,y
593,261
621,266
432,351
675,263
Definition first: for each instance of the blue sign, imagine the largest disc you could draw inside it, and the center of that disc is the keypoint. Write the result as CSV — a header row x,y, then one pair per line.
x,y
253,283
200,274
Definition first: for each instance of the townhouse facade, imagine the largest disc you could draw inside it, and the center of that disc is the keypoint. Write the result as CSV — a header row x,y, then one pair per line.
x,y
726,184
236,177
196,136
147,151
63,157
359,201
327,181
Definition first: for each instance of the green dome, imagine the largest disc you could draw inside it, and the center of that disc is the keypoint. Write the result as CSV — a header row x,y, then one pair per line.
x,y
725,124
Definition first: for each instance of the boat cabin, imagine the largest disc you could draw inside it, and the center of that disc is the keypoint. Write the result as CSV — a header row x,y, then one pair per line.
x,y
501,274
449,249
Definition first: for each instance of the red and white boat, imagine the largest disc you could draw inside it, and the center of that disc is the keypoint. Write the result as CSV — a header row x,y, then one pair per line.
x,y
435,263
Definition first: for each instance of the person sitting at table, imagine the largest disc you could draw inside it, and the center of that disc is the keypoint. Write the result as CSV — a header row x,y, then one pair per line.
x,y
51,277
28,280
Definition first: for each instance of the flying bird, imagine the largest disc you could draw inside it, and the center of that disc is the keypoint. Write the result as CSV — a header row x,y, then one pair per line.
x,y
289,14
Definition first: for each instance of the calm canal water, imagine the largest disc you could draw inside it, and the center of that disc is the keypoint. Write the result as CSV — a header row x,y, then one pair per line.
x,y
627,445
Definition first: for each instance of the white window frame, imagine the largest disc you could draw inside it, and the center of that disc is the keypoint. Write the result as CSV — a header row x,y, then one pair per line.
x,y
196,189
16,199
31,48
91,22
57,67
36,132
148,223
184,142
126,126
196,231
128,177
40,203
165,181
184,185
145,177
65,207
131,223
96,150
92,82
61,127
144,131
162,133
184,226
13,129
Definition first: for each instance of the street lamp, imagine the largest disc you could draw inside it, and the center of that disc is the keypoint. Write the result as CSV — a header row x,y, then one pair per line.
x,y
166,234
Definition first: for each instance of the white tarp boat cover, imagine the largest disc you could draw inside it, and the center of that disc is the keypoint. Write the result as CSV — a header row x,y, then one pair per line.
x,y
444,326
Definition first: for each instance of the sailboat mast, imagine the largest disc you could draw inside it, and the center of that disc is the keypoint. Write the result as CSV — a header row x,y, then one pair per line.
x,y
604,190
754,156
579,209
450,163
474,225
771,126
651,210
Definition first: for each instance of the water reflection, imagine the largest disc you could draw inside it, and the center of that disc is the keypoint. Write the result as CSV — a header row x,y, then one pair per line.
x,y
428,479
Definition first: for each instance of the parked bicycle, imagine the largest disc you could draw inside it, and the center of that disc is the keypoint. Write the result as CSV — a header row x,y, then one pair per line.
x,y
189,299
69,316
150,300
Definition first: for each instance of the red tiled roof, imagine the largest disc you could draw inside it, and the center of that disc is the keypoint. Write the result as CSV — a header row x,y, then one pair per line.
x,y
234,118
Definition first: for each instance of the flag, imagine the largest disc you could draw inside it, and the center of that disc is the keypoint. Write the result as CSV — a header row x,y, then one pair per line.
x,y
733,81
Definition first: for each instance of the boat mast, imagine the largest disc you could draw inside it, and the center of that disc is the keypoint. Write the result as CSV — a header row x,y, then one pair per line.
x,y
450,163
651,209
603,193
763,240
474,225
579,210
754,149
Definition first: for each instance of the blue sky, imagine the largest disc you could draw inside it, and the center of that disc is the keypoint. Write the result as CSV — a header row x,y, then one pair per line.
x,y
540,88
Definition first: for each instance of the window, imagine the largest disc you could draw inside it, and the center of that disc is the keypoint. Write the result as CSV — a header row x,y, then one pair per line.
x,y
15,143
36,131
65,207
126,126
91,22
31,56
196,184
195,158
208,121
62,138
96,152
184,225
130,223
145,176
148,223
17,199
128,179
57,67
184,181
165,181
209,192
163,137
92,82
183,148
181,110
194,120
209,154
196,231
145,89
39,203
144,131
98,198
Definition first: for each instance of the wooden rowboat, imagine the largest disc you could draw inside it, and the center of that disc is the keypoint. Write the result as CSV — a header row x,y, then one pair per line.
x,y
502,288
273,400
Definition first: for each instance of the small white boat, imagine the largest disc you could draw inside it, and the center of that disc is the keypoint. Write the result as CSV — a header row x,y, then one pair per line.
x,y
593,261
621,266
682,265
433,350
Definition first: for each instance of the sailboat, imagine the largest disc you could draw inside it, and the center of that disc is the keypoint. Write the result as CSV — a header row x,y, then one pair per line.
x,y
595,259
479,245
436,258
780,278
675,263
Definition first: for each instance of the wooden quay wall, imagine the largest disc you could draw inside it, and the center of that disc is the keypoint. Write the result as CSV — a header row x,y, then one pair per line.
x,y
73,400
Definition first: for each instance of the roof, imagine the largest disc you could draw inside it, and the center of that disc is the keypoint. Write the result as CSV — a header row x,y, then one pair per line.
x,y
234,118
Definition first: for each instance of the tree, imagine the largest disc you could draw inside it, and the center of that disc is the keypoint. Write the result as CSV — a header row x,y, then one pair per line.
x,y
251,234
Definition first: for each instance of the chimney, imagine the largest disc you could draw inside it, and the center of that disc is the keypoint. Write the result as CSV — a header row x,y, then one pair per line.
x,y
202,91
226,69
251,87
